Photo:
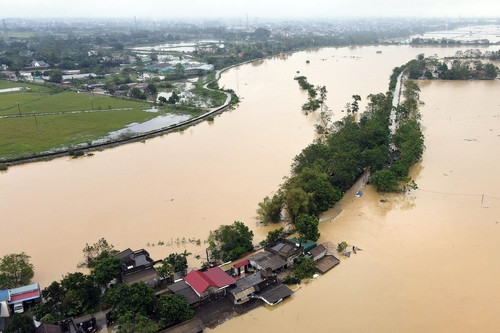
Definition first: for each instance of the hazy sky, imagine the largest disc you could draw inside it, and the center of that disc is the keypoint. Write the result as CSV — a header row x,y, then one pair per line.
x,y
254,8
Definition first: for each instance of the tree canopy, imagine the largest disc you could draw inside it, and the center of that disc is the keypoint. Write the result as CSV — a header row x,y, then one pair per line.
x,y
229,242
173,309
74,295
21,323
136,298
15,270
308,227
99,250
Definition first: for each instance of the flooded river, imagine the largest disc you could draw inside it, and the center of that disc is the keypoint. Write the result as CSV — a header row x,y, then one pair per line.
x,y
429,259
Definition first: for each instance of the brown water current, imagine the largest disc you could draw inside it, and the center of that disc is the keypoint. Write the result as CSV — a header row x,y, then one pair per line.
x,y
429,259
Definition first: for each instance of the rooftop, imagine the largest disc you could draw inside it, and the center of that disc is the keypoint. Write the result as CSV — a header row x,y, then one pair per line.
x,y
326,263
4,295
247,282
275,293
24,289
143,275
268,260
214,277
317,250
182,288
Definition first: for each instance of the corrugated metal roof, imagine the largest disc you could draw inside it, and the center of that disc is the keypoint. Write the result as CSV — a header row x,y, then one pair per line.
x,y
18,298
24,289
4,295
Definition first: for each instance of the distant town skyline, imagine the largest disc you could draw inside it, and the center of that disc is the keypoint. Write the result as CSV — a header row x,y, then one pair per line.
x,y
214,9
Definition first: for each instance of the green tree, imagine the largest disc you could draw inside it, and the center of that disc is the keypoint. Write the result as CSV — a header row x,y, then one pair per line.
x,y
229,242
131,322
273,236
173,309
106,269
137,93
55,76
491,71
304,267
151,89
21,324
385,180
81,294
354,104
15,270
270,208
261,33
296,201
99,250
175,262
307,227
136,298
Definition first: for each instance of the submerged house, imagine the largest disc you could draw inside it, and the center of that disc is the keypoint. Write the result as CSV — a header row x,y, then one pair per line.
x,y
137,266
246,288
267,261
211,282
286,250
185,290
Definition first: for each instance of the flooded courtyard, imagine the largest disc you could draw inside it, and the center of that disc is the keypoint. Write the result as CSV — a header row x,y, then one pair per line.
x,y
429,259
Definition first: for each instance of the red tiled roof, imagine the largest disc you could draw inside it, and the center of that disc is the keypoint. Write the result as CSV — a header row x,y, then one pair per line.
x,y
242,263
214,277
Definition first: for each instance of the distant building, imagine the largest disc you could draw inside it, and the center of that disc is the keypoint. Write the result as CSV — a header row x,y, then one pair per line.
x,y
38,65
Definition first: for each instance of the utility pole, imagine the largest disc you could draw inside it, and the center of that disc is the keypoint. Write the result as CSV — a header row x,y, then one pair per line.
x,y
36,122
91,103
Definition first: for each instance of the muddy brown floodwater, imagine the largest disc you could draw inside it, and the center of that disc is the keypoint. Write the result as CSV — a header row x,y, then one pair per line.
x,y
429,260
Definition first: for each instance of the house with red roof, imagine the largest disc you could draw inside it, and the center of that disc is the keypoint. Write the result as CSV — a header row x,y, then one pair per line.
x,y
212,281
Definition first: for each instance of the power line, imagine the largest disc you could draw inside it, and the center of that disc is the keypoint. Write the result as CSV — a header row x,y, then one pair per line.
x,y
461,194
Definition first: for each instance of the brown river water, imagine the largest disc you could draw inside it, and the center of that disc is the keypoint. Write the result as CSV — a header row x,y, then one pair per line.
x,y
429,260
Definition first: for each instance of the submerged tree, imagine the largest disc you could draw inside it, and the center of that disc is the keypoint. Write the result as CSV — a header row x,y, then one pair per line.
x,y
99,250
229,242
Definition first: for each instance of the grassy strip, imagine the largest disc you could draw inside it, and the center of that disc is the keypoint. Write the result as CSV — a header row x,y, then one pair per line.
x,y
39,102
217,97
26,136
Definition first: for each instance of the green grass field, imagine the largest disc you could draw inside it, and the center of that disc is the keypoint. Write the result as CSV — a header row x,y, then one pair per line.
x,y
43,100
22,136
26,136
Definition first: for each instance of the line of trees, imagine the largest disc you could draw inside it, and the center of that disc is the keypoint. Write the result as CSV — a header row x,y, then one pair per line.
x,y
328,167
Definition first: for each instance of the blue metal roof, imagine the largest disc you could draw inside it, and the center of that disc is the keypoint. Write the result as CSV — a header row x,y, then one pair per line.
x,y
4,295
24,289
